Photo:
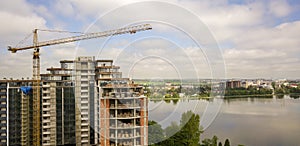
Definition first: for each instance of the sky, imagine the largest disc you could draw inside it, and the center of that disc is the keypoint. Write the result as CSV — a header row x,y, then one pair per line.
x,y
189,39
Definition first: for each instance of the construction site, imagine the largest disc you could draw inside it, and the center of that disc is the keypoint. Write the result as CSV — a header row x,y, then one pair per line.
x,y
82,102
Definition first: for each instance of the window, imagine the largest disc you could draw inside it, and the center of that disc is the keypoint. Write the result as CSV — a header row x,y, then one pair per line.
x,y
84,111
84,77
84,93
84,88
84,71
84,63
84,105
84,82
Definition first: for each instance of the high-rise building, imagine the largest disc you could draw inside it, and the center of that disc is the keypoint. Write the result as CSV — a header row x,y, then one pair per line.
x,y
69,95
58,108
3,113
123,108
83,102
16,112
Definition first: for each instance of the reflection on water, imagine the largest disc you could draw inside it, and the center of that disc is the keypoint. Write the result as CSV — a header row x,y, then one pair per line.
x,y
248,121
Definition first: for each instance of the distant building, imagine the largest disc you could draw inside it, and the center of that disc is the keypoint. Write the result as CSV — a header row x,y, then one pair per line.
x,y
294,85
233,84
245,84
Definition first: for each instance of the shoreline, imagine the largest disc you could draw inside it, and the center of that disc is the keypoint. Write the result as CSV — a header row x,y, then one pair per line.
x,y
225,97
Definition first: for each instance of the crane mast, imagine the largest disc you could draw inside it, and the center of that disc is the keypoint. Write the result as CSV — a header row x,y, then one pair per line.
x,y
36,64
36,90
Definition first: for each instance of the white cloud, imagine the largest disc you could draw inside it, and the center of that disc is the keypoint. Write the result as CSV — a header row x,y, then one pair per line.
x,y
18,20
279,8
253,42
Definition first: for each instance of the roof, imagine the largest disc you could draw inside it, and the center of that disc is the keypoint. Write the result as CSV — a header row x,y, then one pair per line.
x,y
104,60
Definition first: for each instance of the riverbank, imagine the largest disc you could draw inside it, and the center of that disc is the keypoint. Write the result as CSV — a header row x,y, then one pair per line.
x,y
191,98
227,97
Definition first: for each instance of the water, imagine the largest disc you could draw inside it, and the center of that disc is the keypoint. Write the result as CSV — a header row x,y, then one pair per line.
x,y
248,121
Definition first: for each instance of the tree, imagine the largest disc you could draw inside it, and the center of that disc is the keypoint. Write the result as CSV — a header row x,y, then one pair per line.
x,y
211,142
172,129
155,133
215,140
273,85
206,142
172,134
190,131
220,144
227,143
186,133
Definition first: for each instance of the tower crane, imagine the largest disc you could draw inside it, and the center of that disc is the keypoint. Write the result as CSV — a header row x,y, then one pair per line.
x,y
36,63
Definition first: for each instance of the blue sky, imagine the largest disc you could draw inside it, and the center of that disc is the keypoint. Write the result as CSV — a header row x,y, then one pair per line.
x,y
256,39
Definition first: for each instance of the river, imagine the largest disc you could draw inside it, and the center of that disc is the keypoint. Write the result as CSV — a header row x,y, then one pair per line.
x,y
248,121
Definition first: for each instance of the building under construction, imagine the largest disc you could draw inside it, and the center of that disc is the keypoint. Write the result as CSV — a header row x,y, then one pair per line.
x,y
84,102
16,112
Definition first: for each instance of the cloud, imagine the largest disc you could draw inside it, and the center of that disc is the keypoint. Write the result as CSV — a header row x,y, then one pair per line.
x,y
250,33
18,20
279,8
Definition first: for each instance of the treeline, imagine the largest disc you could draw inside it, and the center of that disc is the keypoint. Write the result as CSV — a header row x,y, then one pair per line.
x,y
173,93
247,91
186,133
286,90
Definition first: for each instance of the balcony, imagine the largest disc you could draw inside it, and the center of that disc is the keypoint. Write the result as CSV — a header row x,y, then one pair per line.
x,y
46,97
83,101
46,126
46,138
46,132
46,85
84,129
46,115
45,91
85,124
46,121
46,103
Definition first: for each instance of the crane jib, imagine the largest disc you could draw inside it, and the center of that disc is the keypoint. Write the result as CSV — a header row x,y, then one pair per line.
x,y
131,30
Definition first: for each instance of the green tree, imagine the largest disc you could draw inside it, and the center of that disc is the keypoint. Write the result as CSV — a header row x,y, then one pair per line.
x,y
273,85
171,133
155,134
190,131
187,133
172,129
214,140
175,95
206,142
227,143
220,144
211,142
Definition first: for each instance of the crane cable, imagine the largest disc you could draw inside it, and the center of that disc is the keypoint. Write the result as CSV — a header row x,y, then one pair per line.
x,y
23,41
47,30
60,31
